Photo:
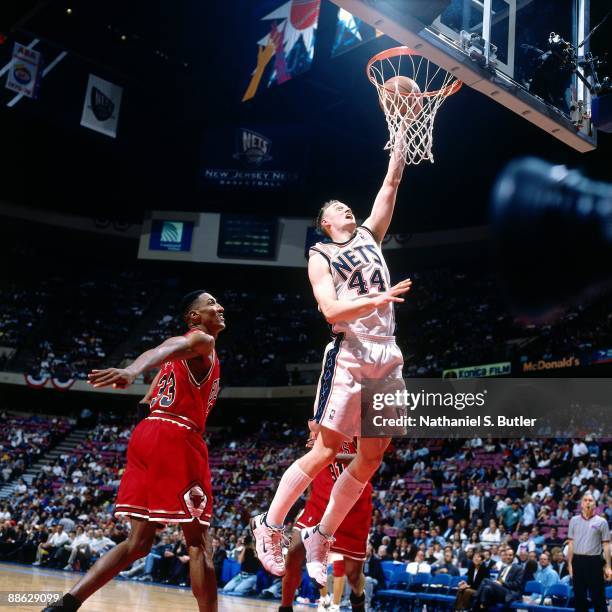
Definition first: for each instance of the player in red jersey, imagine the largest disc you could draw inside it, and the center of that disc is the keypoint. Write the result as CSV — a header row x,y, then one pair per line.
x,y
350,540
167,478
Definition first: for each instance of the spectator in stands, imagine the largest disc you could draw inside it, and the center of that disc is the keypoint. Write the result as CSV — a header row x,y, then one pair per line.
x,y
474,542
579,449
100,544
447,565
559,564
47,549
78,548
505,589
525,544
491,535
374,574
476,573
545,574
244,582
511,516
419,565
154,559
528,517
218,557
177,562
552,539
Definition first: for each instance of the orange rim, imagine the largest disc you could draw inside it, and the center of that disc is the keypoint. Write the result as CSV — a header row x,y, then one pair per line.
x,y
449,90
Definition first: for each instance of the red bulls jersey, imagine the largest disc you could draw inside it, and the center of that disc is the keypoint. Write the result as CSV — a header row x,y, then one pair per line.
x,y
182,397
325,479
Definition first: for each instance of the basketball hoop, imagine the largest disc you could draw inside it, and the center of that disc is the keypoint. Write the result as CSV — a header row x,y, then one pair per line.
x,y
411,113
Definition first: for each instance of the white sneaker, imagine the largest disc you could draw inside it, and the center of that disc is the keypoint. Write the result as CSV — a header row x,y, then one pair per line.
x,y
269,545
333,608
324,603
317,550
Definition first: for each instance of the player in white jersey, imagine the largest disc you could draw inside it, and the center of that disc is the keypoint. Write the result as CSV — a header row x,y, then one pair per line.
x,y
351,284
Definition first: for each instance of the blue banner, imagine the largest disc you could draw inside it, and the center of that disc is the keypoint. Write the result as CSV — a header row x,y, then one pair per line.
x,y
254,157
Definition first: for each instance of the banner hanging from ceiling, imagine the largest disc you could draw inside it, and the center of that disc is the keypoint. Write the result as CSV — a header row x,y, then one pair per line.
x,y
102,105
284,36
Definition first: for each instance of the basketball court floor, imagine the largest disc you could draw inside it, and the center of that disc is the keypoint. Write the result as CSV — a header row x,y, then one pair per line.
x,y
118,594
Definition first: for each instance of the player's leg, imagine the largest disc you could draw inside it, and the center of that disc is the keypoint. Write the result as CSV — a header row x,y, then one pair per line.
x,y
299,475
339,574
356,580
349,486
267,527
293,571
201,568
138,544
345,493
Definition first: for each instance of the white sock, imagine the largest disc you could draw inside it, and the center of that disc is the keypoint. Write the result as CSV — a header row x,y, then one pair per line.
x,y
293,483
346,491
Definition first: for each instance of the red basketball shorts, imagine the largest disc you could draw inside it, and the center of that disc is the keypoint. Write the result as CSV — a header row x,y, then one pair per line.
x,y
352,535
167,478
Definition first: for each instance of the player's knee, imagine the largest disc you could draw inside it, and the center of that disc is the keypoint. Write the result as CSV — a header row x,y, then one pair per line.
x,y
137,548
327,454
338,569
353,576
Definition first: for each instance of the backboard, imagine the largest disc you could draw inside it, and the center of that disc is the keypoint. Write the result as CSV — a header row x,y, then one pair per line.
x,y
503,49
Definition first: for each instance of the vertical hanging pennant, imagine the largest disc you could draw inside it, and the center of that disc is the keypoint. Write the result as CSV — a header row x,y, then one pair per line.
x,y
25,71
101,106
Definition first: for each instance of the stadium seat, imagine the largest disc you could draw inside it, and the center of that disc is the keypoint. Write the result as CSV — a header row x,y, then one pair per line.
x,y
229,570
560,592
533,587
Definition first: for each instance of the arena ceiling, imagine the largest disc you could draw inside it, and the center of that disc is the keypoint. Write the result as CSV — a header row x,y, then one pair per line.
x,y
184,66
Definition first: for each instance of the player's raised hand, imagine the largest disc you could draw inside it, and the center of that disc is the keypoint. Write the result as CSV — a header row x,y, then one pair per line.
x,y
117,377
392,294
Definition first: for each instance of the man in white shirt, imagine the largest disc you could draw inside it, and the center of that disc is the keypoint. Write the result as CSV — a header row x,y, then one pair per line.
x,y
419,566
57,539
579,449
79,546
540,493
100,543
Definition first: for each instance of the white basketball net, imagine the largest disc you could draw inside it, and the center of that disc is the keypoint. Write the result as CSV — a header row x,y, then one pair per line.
x,y
409,135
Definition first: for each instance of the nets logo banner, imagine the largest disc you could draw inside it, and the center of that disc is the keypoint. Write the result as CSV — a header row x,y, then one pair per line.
x,y
284,36
491,369
351,32
25,71
170,235
101,106
262,157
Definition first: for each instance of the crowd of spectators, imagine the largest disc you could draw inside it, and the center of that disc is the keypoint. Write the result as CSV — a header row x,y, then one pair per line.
x,y
450,319
82,333
283,326
24,440
437,503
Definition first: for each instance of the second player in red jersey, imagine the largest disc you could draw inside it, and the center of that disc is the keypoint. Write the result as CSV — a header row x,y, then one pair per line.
x,y
167,477
350,540
352,536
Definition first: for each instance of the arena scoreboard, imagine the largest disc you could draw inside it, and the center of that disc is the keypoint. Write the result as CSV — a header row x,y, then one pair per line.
x,y
246,236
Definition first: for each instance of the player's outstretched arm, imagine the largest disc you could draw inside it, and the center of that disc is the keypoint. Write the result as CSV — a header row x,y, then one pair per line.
x,y
335,310
382,211
177,347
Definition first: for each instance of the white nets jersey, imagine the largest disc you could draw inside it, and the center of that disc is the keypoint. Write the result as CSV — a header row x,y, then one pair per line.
x,y
359,270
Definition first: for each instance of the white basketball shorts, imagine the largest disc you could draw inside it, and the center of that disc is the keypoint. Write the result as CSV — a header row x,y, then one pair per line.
x,y
348,360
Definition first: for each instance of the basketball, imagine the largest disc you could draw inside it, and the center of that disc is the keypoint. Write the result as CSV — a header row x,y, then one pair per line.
x,y
402,95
